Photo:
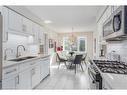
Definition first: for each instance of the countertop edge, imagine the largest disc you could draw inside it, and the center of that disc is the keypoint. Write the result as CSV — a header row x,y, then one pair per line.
x,y
28,60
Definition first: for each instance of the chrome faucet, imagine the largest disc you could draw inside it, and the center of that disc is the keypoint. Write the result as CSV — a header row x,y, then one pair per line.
x,y
5,52
17,54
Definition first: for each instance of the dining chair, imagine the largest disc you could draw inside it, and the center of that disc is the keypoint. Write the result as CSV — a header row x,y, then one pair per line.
x,y
77,61
84,58
61,60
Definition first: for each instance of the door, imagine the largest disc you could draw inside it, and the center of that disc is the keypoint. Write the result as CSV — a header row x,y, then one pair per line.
x,y
82,44
25,79
15,21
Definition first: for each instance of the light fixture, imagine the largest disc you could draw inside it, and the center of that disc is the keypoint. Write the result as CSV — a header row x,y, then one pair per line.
x,y
47,21
72,37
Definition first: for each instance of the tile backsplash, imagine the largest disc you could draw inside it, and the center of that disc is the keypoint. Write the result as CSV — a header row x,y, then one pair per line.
x,y
13,41
120,48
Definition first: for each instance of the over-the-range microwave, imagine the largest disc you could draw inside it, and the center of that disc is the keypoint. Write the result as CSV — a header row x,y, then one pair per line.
x,y
115,27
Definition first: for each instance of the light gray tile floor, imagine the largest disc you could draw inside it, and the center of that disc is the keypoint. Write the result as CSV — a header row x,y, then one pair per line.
x,y
65,79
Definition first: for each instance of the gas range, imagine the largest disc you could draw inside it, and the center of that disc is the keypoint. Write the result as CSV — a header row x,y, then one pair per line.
x,y
111,66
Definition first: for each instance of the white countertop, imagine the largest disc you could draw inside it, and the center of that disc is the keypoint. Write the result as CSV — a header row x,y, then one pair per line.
x,y
116,81
11,63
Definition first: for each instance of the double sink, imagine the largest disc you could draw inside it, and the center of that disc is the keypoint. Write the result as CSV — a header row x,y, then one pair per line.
x,y
22,58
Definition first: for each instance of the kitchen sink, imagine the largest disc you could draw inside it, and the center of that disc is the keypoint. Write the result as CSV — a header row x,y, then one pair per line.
x,y
22,58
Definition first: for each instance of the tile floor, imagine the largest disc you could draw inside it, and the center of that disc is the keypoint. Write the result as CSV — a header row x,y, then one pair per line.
x,y
63,78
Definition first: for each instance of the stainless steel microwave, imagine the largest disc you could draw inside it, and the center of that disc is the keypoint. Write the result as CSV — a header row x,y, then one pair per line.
x,y
115,27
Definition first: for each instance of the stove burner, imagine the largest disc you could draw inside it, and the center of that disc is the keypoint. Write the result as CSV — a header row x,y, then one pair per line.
x,y
111,66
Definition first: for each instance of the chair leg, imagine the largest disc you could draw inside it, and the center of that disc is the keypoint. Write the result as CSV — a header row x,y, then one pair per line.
x,y
65,64
59,65
85,63
81,67
75,68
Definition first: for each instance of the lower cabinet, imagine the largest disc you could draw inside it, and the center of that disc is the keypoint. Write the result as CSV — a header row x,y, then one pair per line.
x,y
28,76
11,82
25,79
44,68
35,75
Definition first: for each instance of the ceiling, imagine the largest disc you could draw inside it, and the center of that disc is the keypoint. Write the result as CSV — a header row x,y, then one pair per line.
x,y
81,18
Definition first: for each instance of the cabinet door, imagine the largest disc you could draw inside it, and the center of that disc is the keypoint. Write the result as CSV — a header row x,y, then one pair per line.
x,y
42,70
27,26
25,79
11,82
35,73
5,23
15,21
45,68
41,36
35,30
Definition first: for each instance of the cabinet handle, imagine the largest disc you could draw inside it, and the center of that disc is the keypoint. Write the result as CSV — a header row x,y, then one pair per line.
x,y
32,63
24,27
17,79
6,36
10,71
33,71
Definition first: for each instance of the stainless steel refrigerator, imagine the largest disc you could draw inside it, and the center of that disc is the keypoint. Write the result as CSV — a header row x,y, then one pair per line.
x,y
1,51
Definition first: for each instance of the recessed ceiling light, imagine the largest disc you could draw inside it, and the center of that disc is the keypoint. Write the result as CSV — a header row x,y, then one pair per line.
x,y
47,21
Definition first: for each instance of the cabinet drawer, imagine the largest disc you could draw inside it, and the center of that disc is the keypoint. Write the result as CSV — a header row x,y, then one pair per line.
x,y
10,71
26,65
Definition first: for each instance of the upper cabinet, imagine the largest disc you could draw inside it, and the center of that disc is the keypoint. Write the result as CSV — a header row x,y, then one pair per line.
x,y
38,34
4,12
27,26
14,21
35,29
41,35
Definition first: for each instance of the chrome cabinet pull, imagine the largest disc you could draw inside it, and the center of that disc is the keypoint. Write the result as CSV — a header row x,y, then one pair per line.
x,y
32,63
17,79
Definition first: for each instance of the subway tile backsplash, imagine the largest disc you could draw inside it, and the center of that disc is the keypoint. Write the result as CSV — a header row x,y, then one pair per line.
x,y
13,41
120,48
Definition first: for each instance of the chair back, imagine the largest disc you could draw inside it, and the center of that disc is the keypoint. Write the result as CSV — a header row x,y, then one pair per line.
x,y
78,59
84,57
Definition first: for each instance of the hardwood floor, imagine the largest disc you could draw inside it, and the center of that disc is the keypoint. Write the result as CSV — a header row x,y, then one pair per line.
x,y
63,78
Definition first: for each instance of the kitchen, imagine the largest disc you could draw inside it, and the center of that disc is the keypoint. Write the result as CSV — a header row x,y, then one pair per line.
x,y
31,47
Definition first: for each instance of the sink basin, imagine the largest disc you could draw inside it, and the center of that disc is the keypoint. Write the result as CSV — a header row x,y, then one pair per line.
x,y
22,58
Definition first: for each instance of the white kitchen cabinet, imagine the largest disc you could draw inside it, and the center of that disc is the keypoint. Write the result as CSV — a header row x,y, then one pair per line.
x,y
27,26
25,79
45,69
41,36
4,13
35,29
35,74
11,82
14,21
